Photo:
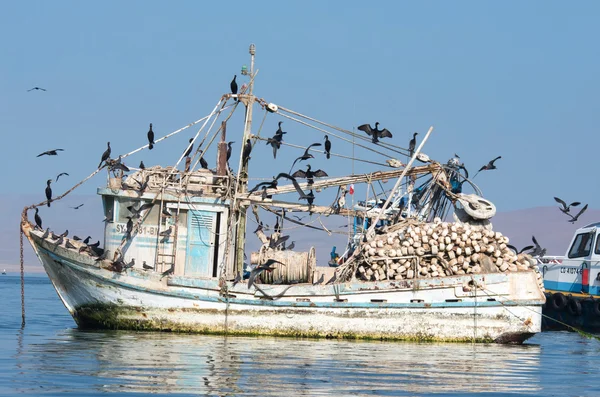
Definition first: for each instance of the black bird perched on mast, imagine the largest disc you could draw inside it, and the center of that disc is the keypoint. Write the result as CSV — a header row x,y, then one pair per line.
x,y
150,138
576,217
246,152
412,144
61,174
566,208
203,162
37,88
306,155
309,174
375,133
327,147
50,152
488,166
189,149
229,149
233,86
105,155
142,166
48,191
38,219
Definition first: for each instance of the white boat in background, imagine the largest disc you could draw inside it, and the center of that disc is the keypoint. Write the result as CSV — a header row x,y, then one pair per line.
x,y
174,240
572,283
4,272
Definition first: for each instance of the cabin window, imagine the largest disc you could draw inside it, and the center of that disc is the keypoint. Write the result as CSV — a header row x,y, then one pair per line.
x,y
597,250
582,245
109,207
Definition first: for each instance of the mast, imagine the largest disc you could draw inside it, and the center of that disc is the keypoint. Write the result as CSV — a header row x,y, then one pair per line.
x,y
243,184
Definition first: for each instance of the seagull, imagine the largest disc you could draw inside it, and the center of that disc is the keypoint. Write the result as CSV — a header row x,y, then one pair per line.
x,y
306,155
48,191
51,152
576,217
61,174
488,166
37,88
261,268
309,174
76,238
150,138
233,85
38,219
375,133
246,152
537,250
412,144
516,251
566,208
327,147
77,207
105,155
298,217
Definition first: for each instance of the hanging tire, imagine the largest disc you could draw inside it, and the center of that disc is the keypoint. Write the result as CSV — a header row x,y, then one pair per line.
x,y
597,308
574,306
559,301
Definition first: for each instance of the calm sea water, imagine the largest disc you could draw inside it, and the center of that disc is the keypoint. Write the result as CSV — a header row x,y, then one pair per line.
x,y
50,357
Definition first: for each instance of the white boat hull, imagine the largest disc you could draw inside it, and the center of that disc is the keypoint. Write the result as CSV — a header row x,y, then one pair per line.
x,y
504,307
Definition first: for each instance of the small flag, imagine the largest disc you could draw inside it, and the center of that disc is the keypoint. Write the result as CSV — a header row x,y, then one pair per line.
x,y
351,190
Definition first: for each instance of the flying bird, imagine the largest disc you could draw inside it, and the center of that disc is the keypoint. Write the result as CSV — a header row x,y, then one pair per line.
x,y
566,208
61,174
327,147
412,144
309,174
267,266
105,155
276,140
38,219
516,251
537,250
37,88
488,166
50,152
48,191
150,138
306,155
576,217
77,207
375,133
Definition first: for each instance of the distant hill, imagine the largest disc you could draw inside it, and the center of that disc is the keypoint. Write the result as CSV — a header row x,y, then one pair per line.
x,y
548,224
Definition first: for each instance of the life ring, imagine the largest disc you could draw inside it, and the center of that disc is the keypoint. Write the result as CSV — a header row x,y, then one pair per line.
x,y
559,301
574,306
597,308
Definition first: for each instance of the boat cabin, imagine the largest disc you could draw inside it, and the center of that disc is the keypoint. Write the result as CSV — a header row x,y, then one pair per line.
x,y
579,270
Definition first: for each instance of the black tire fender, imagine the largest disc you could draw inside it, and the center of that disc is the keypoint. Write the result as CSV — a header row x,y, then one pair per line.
x,y
574,306
559,301
597,308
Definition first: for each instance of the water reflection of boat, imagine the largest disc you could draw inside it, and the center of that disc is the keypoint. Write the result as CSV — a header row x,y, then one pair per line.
x,y
213,365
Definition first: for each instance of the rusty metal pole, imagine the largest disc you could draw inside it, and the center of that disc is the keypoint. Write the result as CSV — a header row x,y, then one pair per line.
x,y
222,152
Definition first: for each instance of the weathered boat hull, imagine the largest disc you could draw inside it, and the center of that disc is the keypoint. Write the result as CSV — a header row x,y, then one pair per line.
x,y
495,307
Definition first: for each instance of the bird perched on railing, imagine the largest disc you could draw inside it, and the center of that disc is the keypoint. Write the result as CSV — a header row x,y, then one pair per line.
x,y
412,144
233,85
37,218
375,133
105,155
327,147
150,138
48,192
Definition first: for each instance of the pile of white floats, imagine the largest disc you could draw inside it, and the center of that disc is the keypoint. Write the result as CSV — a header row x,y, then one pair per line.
x,y
425,250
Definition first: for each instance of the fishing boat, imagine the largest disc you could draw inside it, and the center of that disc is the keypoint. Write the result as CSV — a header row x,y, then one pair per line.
x,y
572,283
173,252
4,272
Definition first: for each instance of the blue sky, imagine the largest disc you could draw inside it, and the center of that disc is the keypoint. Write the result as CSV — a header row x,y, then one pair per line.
x,y
516,79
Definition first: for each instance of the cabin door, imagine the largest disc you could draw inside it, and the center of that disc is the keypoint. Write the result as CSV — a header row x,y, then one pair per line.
x,y
201,241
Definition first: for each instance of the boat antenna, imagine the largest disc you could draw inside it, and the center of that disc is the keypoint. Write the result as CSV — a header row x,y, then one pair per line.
x,y
243,176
